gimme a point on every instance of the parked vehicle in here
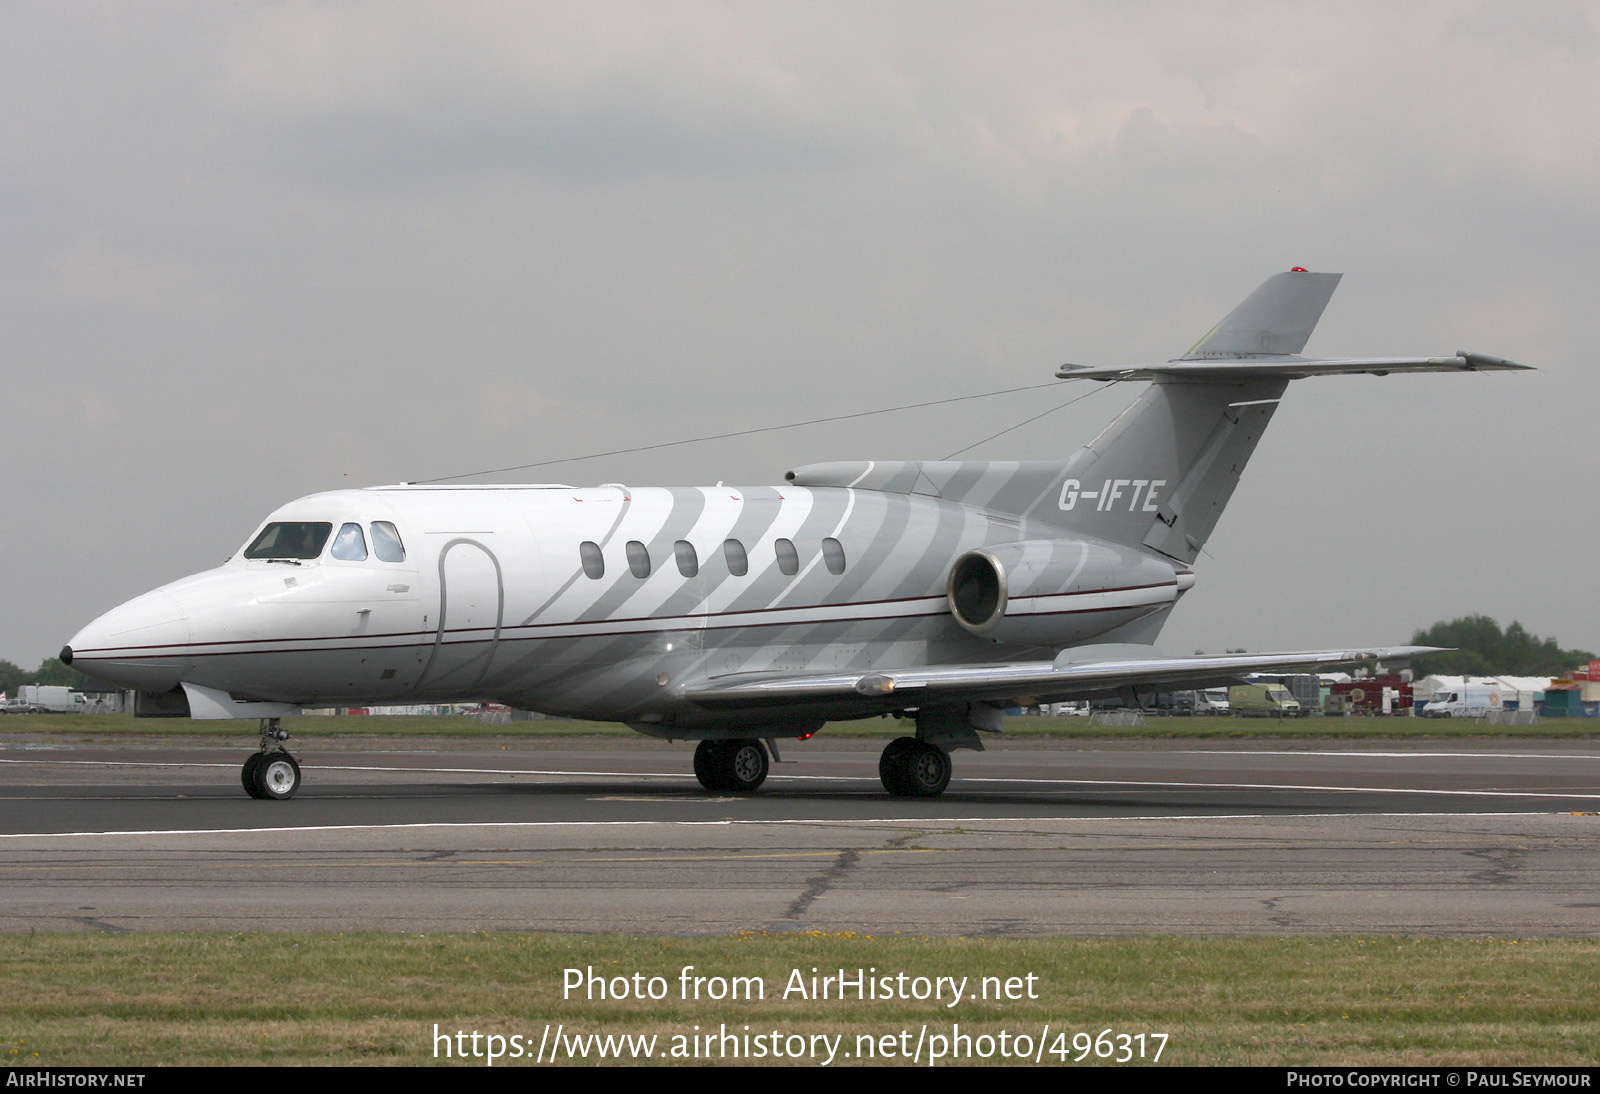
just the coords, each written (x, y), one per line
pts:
(1471, 701)
(1262, 701)
(47, 699)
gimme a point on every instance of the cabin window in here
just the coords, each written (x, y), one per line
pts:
(688, 561)
(738, 562)
(788, 557)
(594, 563)
(833, 555)
(638, 559)
(290, 540)
(386, 542)
(350, 545)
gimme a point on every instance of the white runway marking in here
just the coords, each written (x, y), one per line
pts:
(1393, 755)
(1162, 783)
(920, 822)
(955, 783)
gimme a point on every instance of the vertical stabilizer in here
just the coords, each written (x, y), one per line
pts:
(1276, 319)
(1159, 476)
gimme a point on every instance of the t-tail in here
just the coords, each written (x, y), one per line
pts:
(1160, 475)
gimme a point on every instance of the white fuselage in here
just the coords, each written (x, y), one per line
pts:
(600, 602)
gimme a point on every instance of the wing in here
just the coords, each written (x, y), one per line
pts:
(1079, 673)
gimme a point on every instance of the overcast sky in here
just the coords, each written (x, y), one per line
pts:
(253, 251)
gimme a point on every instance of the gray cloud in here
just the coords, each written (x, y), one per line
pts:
(253, 251)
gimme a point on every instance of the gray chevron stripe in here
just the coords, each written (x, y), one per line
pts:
(682, 512)
(756, 515)
(577, 572)
(996, 477)
(813, 584)
(768, 583)
(876, 526)
(1030, 484)
(925, 572)
(761, 507)
(688, 505)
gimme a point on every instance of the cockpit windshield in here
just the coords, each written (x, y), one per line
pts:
(290, 540)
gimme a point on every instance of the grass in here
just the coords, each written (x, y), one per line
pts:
(137, 1000)
(142, 1000)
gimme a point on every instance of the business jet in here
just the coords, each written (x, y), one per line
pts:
(938, 592)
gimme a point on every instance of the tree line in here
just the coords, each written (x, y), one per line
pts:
(1481, 648)
(50, 672)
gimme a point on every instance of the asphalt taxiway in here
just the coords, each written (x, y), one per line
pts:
(1081, 838)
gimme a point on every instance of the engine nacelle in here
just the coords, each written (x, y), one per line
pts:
(1056, 592)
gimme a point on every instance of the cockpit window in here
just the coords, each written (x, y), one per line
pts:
(290, 540)
(386, 542)
(350, 545)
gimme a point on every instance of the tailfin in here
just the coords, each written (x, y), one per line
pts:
(1277, 318)
(1159, 476)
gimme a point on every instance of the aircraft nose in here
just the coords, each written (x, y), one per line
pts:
(141, 644)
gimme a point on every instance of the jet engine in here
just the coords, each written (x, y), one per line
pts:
(1057, 592)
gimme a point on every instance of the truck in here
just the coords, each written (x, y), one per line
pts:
(1469, 701)
(47, 699)
(1264, 700)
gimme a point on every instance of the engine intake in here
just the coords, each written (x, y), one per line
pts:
(1058, 592)
(978, 591)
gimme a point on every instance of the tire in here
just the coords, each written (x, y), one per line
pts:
(927, 771)
(893, 766)
(276, 776)
(247, 774)
(708, 765)
(744, 765)
(736, 766)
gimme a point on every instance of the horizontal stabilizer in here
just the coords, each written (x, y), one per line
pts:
(1076, 673)
(1240, 370)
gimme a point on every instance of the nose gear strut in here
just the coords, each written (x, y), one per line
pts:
(271, 774)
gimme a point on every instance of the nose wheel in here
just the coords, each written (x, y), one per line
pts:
(271, 774)
(738, 766)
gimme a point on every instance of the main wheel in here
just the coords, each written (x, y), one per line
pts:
(892, 765)
(247, 774)
(708, 766)
(928, 771)
(910, 768)
(277, 776)
(744, 765)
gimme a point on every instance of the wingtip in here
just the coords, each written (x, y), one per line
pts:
(1478, 362)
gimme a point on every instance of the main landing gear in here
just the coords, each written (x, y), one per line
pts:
(738, 765)
(910, 768)
(271, 774)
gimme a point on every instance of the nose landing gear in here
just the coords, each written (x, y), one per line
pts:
(271, 774)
